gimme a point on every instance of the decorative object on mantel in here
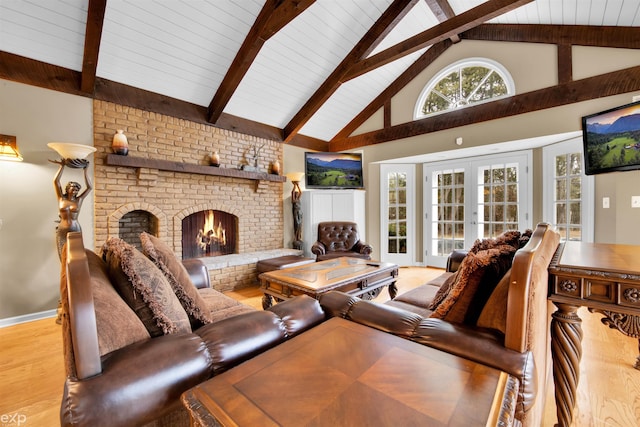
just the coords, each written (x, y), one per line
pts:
(167, 165)
(70, 199)
(296, 207)
(214, 159)
(9, 149)
(275, 167)
(120, 145)
(254, 157)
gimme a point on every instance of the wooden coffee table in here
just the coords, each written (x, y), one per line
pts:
(341, 373)
(355, 276)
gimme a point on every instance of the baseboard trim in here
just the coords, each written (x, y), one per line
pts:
(10, 321)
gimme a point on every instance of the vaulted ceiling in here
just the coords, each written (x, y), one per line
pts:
(305, 72)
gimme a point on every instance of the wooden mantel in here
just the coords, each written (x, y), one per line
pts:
(167, 165)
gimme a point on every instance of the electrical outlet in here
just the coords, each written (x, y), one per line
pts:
(605, 203)
(635, 201)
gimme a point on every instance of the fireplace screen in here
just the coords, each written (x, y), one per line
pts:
(209, 233)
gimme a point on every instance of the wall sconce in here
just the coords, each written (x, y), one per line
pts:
(296, 206)
(9, 149)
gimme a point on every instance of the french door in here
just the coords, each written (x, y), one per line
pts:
(474, 199)
(397, 218)
(568, 192)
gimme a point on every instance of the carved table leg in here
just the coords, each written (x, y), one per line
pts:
(393, 290)
(626, 323)
(266, 301)
(566, 351)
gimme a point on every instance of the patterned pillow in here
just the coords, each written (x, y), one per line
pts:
(478, 275)
(143, 286)
(178, 276)
(117, 325)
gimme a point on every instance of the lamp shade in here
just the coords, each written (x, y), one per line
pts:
(68, 150)
(295, 176)
(9, 149)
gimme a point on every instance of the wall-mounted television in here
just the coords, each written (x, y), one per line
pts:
(333, 170)
(611, 139)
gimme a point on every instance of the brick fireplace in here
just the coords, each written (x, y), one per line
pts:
(152, 198)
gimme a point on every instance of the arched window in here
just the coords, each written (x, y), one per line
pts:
(464, 83)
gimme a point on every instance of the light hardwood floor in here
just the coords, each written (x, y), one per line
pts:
(32, 375)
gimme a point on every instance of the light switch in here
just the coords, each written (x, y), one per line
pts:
(635, 201)
(605, 203)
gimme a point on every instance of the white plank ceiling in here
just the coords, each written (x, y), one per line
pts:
(183, 48)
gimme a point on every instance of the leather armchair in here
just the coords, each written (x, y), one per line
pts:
(339, 239)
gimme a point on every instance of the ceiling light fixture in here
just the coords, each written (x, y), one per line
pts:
(9, 149)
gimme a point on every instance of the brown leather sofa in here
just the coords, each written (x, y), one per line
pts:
(521, 350)
(141, 383)
(339, 239)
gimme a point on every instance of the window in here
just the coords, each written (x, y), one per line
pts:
(465, 83)
(568, 192)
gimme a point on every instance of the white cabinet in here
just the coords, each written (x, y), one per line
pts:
(331, 205)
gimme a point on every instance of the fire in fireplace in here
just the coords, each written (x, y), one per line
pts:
(209, 233)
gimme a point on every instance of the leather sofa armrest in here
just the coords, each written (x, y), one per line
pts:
(318, 248)
(298, 314)
(455, 259)
(198, 272)
(140, 382)
(233, 340)
(362, 248)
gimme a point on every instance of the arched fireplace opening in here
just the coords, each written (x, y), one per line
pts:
(135, 222)
(209, 233)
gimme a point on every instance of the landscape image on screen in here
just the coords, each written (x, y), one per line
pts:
(612, 139)
(334, 170)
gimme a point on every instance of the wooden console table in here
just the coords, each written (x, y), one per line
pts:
(606, 279)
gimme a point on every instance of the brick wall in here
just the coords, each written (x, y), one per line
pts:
(171, 196)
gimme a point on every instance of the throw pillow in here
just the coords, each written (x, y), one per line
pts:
(494, 313)
(477, 276)
(144, 288)
(443, 291)
(117, 325)
(510, 237)
(175, 272)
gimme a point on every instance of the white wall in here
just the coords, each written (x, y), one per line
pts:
(29, 265)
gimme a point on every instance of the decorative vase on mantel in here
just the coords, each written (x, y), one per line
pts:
(275, 167)
(120, 144)
(215, 159)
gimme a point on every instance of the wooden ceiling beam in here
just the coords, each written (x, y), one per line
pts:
(29, 71)
(447, 29)
(389, 18)
(579, 35)
(443, 11)
(92, 36)
(275, 14)
(110, 91)
(609, 84)
(403, 79)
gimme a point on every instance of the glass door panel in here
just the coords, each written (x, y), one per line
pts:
(397, 220)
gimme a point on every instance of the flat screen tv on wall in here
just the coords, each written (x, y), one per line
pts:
(611, 139)
(333, 170)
